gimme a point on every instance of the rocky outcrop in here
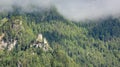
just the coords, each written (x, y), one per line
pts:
(41, 43)
(39, 38)
(17, 25)
(3, 45)
(11, 45)
(19, 64)
(46, 46)
(6, 45)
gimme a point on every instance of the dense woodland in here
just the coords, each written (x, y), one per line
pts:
(74, 44)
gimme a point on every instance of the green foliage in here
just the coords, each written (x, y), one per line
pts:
(72, 44)
(107, 29)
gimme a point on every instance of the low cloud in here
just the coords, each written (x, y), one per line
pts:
(72, 9)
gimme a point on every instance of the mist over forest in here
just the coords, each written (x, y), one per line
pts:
(76, 10)
(59, 33)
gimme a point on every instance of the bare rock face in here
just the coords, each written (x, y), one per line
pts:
(19, 64)
(39, 38)
(11, 46)
(46, 46)
(8, 45)
(41, 43)
(3, 45)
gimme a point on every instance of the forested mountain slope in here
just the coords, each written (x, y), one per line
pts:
(71, 44)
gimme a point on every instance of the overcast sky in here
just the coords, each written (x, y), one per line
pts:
(71, 9)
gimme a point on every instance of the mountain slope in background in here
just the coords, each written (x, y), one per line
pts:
(71, 44)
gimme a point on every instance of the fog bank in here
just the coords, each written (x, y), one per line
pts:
(72, 9)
